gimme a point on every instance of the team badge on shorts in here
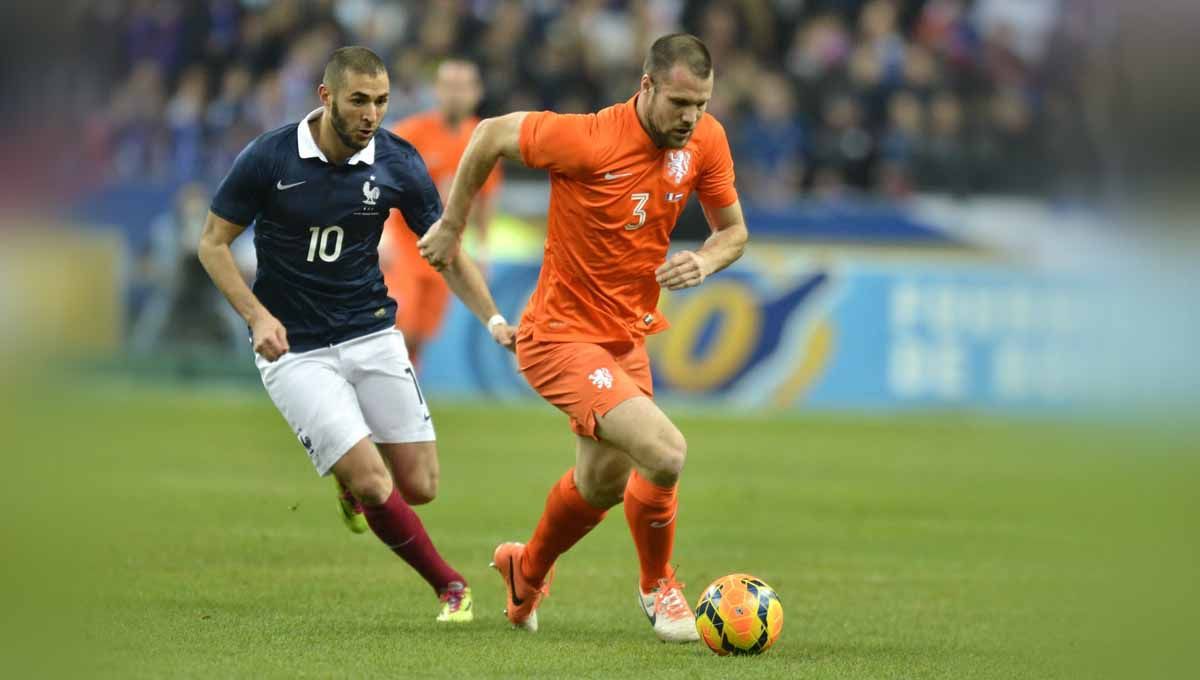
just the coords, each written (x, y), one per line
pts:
(601, 378)
(307, 442)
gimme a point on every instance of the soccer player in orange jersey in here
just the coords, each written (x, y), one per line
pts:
(618, 180)
(440, 136)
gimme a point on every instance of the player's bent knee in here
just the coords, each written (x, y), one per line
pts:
(371, 488)
(669, 451)
(418, 496)
(421, 490)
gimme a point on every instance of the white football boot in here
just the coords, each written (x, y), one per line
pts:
(668, 611)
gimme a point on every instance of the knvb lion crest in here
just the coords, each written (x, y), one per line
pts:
(601, 378)
(678, 164)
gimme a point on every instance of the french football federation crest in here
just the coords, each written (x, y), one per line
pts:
(370, 193)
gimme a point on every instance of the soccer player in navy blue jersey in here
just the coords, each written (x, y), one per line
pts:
(323, 327)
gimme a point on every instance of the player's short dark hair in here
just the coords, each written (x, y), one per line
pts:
(459, 58)
(351, 59)
(676, 48)
(466, 60)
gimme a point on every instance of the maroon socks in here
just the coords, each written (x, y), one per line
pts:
(400, 529)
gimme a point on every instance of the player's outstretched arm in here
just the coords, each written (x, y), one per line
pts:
(686, 269)
(481, 220)
(270, 337)
(467, 282)
(492, 138)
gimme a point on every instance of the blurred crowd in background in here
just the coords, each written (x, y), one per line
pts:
(832, 100)
(820, 97)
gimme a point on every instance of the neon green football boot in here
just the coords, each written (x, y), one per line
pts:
(351, 511)
(457, 606)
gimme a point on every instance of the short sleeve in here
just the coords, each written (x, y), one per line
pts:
(562, 143)
(419, 201)
(239, 198)
(714, 186)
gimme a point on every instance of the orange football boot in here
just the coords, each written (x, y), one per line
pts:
(523, 597)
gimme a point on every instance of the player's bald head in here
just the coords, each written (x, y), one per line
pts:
(677, 49)
(347, 60)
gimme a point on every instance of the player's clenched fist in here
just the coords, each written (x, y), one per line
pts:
(504, 335)
(684, 269)
(270, 337)
(439, 245)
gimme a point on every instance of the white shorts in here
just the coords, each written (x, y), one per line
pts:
(332, 397)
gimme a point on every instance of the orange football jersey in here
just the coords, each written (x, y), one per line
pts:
(614, 200)
(441, 147)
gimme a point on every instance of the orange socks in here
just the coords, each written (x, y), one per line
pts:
(566, 519)
(650, 510)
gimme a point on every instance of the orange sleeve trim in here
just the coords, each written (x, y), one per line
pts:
(723, 200)
(525, 137)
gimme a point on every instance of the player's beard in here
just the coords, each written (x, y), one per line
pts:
(342, 128)
(455, 112)
(661, 139)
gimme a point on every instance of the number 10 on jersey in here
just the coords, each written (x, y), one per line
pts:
(318, 244)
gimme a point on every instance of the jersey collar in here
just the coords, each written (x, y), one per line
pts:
(309, 149)
(636, 123)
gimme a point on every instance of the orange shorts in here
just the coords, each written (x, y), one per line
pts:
(422, 297)
(421, 306)
(583, 379)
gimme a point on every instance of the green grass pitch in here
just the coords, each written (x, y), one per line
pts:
(182, 533)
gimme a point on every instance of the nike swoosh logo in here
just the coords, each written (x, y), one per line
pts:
(612, 176)
(283, 187)
(427, 417)
(512, 588)
(650, 614)
(401, 545)
(660, 525)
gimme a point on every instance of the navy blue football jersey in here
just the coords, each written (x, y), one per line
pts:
(317, 228)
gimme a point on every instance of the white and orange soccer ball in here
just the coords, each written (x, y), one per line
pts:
(739, 614)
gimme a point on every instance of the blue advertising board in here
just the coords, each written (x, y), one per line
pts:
(783, 330)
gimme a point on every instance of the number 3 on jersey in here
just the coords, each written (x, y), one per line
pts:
(322, 235)
(639, 210)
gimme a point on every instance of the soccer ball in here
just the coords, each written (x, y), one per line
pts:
(739, 614)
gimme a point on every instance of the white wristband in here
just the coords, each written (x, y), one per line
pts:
(496, 319)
